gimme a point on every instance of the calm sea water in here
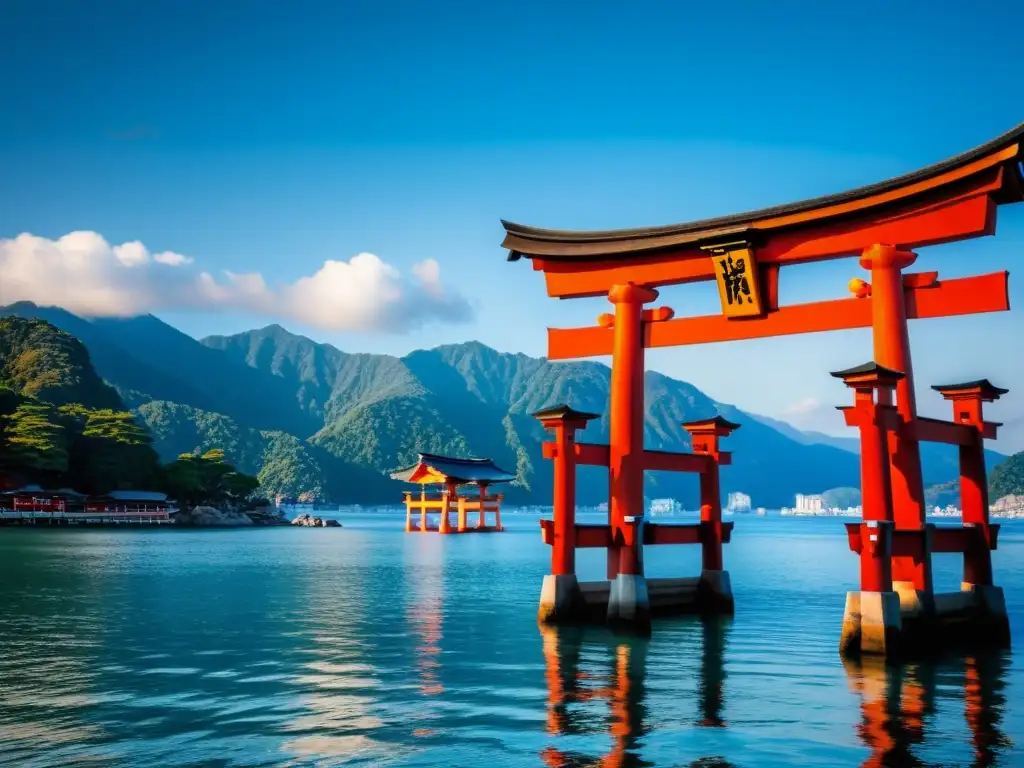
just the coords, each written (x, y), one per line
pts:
(367, 646)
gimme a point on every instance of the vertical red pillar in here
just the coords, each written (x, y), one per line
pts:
(876, 556)
(563, 549)
(874, 419)
(711, 518)
(872, 622)
(626, 421)
(563, 421)
(482, 522)
(974, 505)
(560, 596)
(967, 400)
(875, 470)
(892, 351)
(704, 437)
(444, 523)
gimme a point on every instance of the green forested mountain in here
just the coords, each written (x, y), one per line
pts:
(309, 417)
(59, 422)
(468, 399)
(146, 359)
(321, 381)
(39, 361)
(282, 463)
(1008, 478)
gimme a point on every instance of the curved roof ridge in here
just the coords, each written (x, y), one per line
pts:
(426, 457)
(456, 470)
(737, 223)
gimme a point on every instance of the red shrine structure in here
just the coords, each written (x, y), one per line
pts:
(32, 505)
(881, 224)
(450, 474)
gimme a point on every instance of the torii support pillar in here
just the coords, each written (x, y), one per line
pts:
(628, 601)
(561, 600)
(714, 593)
(912, 570)
(967, 400)
(444, 523)
(872, 622)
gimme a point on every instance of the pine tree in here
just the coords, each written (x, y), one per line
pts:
(35, 440)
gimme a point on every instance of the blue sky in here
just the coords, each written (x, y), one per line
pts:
(270, 137)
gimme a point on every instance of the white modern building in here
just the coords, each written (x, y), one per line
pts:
(808, 503)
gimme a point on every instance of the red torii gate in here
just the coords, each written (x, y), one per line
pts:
(882, 223)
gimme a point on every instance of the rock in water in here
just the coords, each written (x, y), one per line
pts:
(266, 513)
(307, 520)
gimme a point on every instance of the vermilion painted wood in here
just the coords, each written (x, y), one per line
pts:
(655, 533)
(947, 298)
(970, 215)
(952, 539)
(626, 423)
(590, 454)
(593, 454)
(594, 536)
(587, 536)
(937, 431)
(665, 461)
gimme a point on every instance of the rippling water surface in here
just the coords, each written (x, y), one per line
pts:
(367, 646)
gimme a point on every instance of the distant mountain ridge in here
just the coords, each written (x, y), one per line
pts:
(303, 413)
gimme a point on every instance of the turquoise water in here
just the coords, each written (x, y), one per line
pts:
(368, 646)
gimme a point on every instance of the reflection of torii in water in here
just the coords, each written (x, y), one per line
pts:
(624, 692)
(424, 612)
(426, 617)
(896, 701)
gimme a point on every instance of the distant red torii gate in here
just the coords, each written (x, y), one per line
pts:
(881, 224)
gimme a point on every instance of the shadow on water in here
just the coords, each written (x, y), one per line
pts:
(898, 707)
(619, 684)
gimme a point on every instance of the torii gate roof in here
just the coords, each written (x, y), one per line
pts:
(431, 468)
(1002, 155)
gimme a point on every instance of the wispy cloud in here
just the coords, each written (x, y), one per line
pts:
(85, 274)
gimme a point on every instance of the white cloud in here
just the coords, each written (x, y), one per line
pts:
(84, 274)
(172, 259)
(131, 254)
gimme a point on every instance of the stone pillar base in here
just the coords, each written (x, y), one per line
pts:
(991, 606)
(872, 624)
(714, 593)
(629, 606)
(561, 600)
(914, 603)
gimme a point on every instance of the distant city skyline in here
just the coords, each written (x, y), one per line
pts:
(342, 172)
